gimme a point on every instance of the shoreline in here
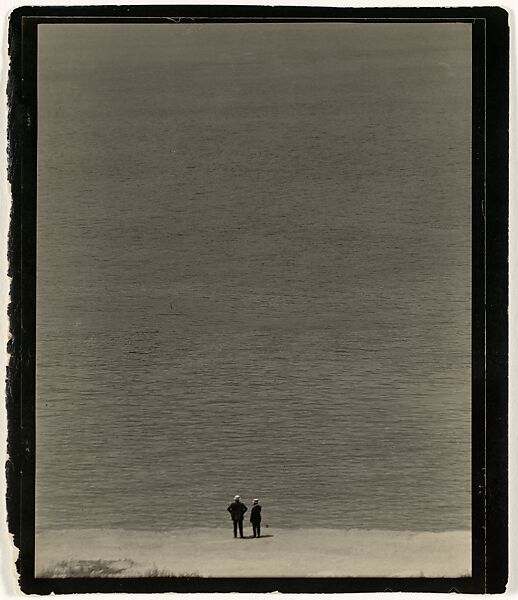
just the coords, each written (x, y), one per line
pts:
(213, 552)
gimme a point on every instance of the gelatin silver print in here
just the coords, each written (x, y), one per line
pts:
(253, 323)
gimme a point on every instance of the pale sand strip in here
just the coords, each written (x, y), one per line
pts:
(296, 553)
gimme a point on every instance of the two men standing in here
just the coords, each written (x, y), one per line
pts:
(237, 511)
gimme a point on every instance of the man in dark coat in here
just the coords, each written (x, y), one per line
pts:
(237, 511)
(255, 518)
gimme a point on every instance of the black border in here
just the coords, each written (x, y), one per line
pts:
(489, 284)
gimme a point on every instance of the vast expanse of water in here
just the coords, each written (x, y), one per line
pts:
(254, 275)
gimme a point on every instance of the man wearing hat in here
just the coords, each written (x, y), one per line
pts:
(255, 518)
(237, 511)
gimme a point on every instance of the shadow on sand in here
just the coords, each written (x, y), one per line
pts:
(251, 537)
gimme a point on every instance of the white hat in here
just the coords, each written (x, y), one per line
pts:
(256, 500)
(237, 497)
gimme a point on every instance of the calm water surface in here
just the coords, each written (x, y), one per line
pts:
(254, 275)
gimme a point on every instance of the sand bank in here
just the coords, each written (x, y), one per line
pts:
(211, 552)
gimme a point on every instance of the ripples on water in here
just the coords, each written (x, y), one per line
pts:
(254, 275)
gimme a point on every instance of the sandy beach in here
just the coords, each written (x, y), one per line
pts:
(213, 552)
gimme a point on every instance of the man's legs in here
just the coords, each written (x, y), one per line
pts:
(240, 522)
(235, 528)
(258, 528)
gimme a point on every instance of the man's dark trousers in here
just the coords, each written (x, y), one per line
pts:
(240, 524)
(257, 529)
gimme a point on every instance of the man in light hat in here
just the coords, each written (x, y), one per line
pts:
(255, 518)
(237, 511)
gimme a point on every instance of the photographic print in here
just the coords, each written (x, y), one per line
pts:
(254, 299)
